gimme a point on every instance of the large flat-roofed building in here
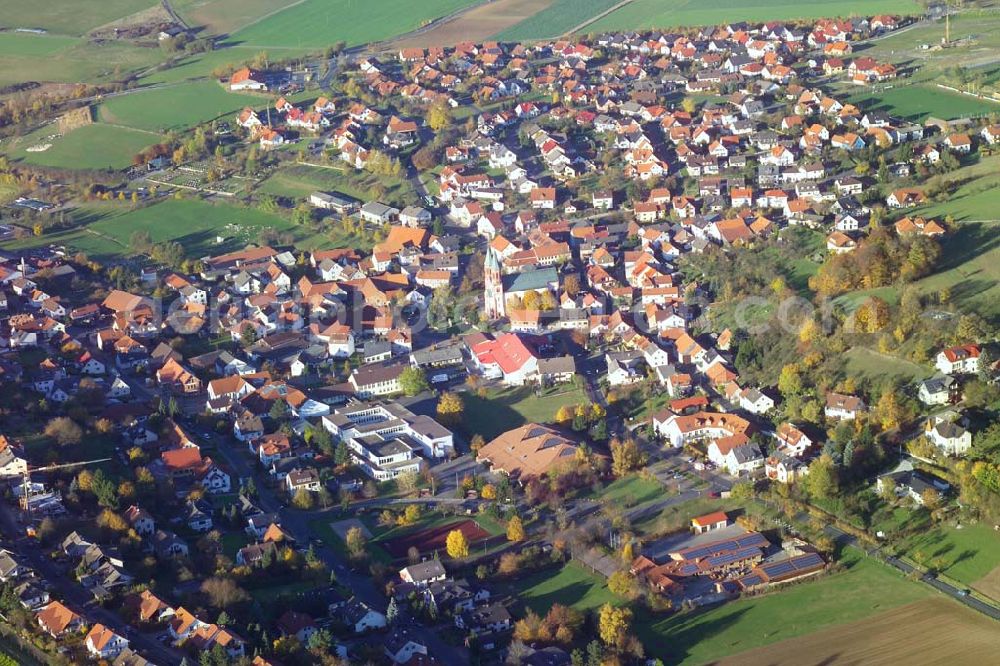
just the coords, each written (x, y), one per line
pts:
(387, 439)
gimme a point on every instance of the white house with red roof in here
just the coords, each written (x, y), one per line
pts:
(961, 359)
(508, 357)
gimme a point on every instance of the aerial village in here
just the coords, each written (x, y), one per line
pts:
(279, 456)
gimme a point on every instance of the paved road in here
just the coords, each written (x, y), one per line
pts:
(72, 593)
(297, 524)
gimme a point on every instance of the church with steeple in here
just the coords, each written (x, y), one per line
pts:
(500, 287)
(495, 305)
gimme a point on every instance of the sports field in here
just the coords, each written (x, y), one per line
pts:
(192, 223)
(556, 19)
(104, 229)
(175, 107)
(96, 146)
(68, 17)
(319, 23)
(920, 101)
(866, 588)
(434, 538)
(933, 631)
(647, 14)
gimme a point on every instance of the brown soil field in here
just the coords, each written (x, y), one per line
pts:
(476, 25)
(989, 584)
(434, 538)
(935, 631)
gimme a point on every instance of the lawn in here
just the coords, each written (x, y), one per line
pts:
(509, 408)
(862, 363)
(175, 107)
(269, 595)
(867, 587)
(965, 554)
(678, 516)
(104, 229)
(192, 223)
(559, 17)
(631, 490)
(919, 101)
(644, 14)
(96, 146)
(574, 585)
(319, 23)
(300, 180)
(70, 17)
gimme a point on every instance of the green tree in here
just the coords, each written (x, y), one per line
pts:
(413, 381)
(821, 482)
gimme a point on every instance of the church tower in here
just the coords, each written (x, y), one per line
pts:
(494, 297)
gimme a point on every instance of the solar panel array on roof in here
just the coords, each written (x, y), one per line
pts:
(723, 559)
(791, 567)
(750, 539)
(750, 580)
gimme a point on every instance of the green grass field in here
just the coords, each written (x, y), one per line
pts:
(510, 408)
(574, 585)
(667, 13)
(966, 555)
(300, 180)
(175, 107)
(319, 23)
(224, 16)
(862, 363)
(96, 146)
(920, 101)
(192, 223)
(104, 229)
(631, 490)
(70, 60)
(972, 193)
(970, 268)
(69, 17)
(556, 19)
(867, 587)
(31, 45)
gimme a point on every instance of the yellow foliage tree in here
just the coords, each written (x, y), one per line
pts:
(613, 625)
(489, 492)
(515, 529)
(456, 544)
(450, 408)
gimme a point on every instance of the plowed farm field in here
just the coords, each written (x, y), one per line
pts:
(475, 25)
(935, 631)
